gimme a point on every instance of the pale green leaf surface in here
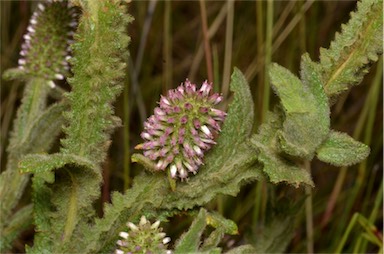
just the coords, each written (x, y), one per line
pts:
(276, 167)
(342, 150)
(306, 122)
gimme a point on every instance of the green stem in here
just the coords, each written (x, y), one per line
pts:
(260, 50)
(207, 48)
(126, 133)
(228, 47)
(167, 48)
(309, 213)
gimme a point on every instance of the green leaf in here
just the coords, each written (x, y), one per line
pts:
(99, 67)
(216, 220)
(342, 150)
(349, 56)
(76, 185)
(306, 122)
(12, 183)
(190, 241)
(276, 167)
(19, 222)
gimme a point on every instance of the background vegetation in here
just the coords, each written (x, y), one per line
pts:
(174, 40)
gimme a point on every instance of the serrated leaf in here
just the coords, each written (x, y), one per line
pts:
(99, 62)
(190, 241)
(358, 45)
(342, 150)
(76, 185)
(276, 167)
(306, 122)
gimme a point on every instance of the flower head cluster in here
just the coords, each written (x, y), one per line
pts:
(182, 129)
(144, 238)
(45, 51)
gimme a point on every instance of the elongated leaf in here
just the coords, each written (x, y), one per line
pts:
(190, 241)
(342, 150)
(358, 45)
(12, 183)
(99, 62)
(76, 183)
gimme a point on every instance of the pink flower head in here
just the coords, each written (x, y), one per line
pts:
(183, 129)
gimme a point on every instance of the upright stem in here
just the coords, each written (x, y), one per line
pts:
(126, 122)
(207, 48)
(167, 49)
(228, 47)
(268, 56)
(309, 213)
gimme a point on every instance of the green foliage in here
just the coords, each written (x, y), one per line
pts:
(12, 183)
(190, 241)
(360, 42)
(20, 221)
(64, 197)
(277, 167)
(66, 184)
(229, 165)
(342, 150)
(100, 52)
(306, 122)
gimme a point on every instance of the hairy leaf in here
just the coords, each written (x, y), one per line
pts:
(349, 56)
(100, 53)
(190, 240)
(276, 167)
(342, 150)
(12, 183)
(76, 183)
(306, 122)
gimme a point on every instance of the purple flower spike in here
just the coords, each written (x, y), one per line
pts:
(183, 129)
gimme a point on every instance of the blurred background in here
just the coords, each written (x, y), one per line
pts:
(204, 40)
